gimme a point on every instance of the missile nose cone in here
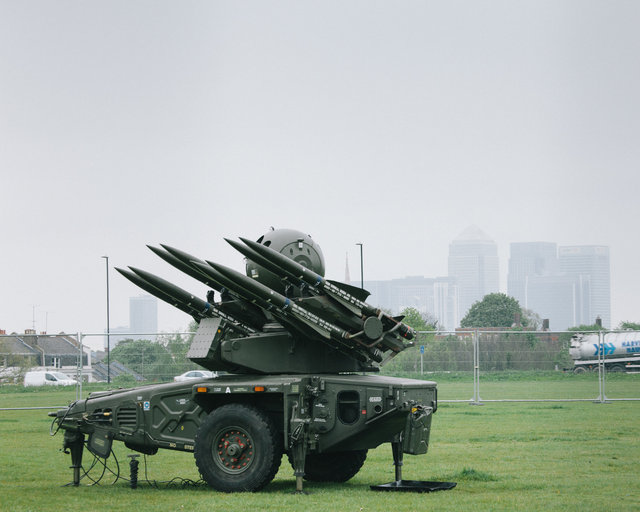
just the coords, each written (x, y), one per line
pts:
(237, 246)
(122, 271)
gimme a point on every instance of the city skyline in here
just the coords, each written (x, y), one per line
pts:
(439, 294)
(567, 285)
(394, 125)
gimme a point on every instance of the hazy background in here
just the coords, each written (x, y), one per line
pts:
(394, 124)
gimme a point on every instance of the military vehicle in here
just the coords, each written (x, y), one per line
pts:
(297, 354)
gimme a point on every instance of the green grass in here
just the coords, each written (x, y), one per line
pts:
(504, 456)
(533, 385)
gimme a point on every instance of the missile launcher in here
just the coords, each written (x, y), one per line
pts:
(298, 355)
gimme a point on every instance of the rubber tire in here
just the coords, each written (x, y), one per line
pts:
(333, 466)
(259, 433)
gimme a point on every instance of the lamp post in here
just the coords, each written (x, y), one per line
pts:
(106, 258)
(361, 268)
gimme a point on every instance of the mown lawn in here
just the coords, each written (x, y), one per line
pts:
(504, 456)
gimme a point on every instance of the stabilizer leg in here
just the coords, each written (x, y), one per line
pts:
(398, 455)
(74, 443)
(298, 447)
(408, 485)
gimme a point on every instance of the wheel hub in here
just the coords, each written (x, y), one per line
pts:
(234, 450)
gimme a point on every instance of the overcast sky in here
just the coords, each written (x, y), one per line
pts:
(394, 124)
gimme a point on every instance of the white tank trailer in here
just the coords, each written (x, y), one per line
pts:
(620, 351)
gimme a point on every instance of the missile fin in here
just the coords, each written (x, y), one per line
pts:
(359, 293)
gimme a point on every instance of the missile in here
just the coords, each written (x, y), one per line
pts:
(282, 306)
(292, 270)
(244, 313)
(279, 301)
(183, 297)
(264, 262)
(246, 297)
(183, 266)
(386, 339)
(273, 302)
(173, 290)
(148, 287)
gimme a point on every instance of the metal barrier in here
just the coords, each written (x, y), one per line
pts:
(500, 361)
(464, 362)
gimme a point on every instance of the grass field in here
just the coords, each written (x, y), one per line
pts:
(504, 456)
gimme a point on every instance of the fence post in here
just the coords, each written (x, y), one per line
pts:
(602, 397)
(476, 400)
(79, 368)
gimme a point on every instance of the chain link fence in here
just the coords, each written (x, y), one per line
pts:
(473, 366)
(489, 365)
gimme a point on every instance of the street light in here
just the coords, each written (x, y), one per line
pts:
(106, 258)
(361, 268)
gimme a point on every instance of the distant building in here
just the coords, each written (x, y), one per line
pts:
(435, 297)
(143, 316)
(528, 260)
(589, 266)
(143, 322)
(473, 262)
(570, 286)
(552, 297)
(46, 351)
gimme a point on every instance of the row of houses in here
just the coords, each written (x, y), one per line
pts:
(62, 352)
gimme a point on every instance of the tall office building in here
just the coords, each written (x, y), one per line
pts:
(143, 316)
(143, 319)
(570, 286)
(552, 297)
(589, 267)
(473, 262)
(526, 261)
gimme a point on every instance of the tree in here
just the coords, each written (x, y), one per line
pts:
(152, 360)
(13, 366)
(531, 319)
(413, 318)
(629, 326)
(177, 346)
(494, 310)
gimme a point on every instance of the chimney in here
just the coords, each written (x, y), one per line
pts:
(599, 321)
(516, 320)
(545, 324)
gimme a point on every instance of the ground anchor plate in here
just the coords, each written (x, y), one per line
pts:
(414, 486)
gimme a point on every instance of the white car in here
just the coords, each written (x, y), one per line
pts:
(43, 378)
(195, 374)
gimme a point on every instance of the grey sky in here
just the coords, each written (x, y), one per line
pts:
(395, 124)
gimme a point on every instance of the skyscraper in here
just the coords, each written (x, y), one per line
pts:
(552, 297)
(589, 267)
(569, 286)
(473, 261)
(143, 316)
(528, 260)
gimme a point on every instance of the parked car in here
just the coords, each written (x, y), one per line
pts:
(48, 378)
(195, 374)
